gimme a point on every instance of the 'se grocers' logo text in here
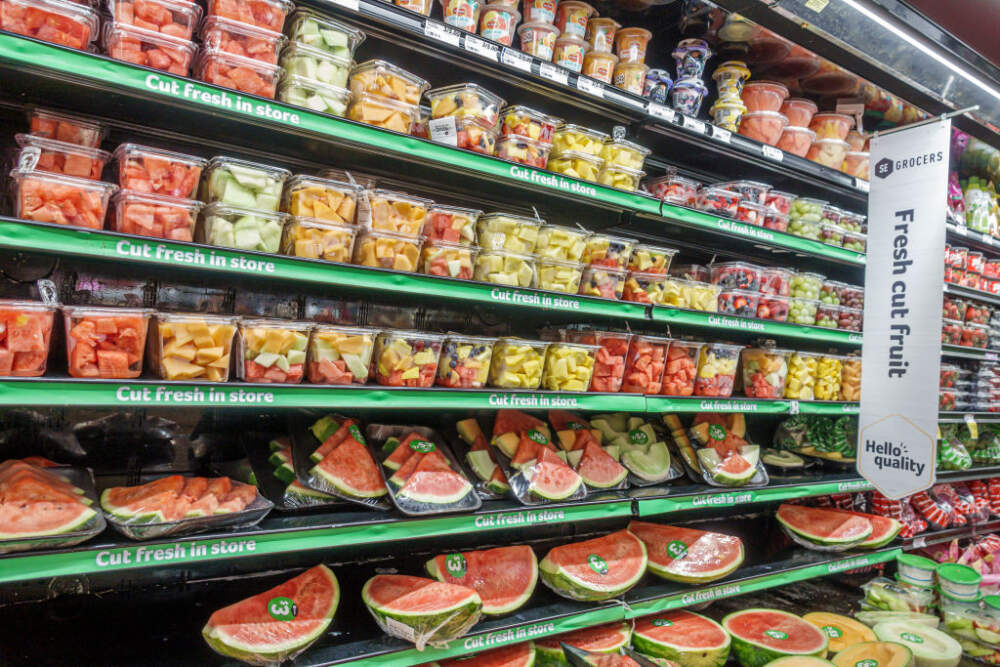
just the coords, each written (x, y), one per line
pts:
(885, 167)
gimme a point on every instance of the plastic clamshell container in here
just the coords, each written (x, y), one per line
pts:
(737, 302)
(806, 285)
(569, 137)
(621, 178)
(242, 228)
(561, 242)
(608, 251)
(63, 200)
(320, 198)
(764, 96)
(850, 379)
(802, 310)
(751, 213)
(237, 73)
(25, 336)
(717, 363)
(692, 295)
(650, 259)
(719, 201)
(192, 346)
(523, 151)
(800, 381)
(313, 238)
(316, 64)
(60, 157)
(241, 39)
(694, 272)
(77, 24)
(675, 190)
(569, 366)
(527, 122)
(148, 48)
(269, 14)
(64, 127)
(383, 112)
(831, 126)
(387, 250)
(321, 32)
(517, 363)
(752, 191)
(575, 164)
(829, 370)
(244, 184)
(175, 18)
(158, 172)
(398, 212)
(763, 126)
(502, 267)
(465, 362)
(557, 275)
(828, 152)
(796, 140)
(850, 319)
(340, 355)
(453, 224)
(827, 315)
(603, 282)
(831, 235)
(644, 365)
(774, 280)
(152, 215)
(764, 371)
(645, 287)
(513, 233)
(773, 307)
(682, 368)
(465, 100)
(449, 260)
(855, 241)
(382, 78)
(406, 358)
(272, 351)
(779, 201)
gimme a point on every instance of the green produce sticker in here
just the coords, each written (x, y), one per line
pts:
(677, 549)
(597, 564)
(638, 437)
(776, 634)
(866, 663)
(421, 446)
(576, 426)
(356, 434)
(910, 637)
(455, 565)
(662, 622)
(717, 432)
(538, 437)
(282, 609)
(833, 632)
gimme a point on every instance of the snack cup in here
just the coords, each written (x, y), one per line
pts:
(382, 112)
(63, 127)
(63, 200)
(148, 48)
(406, 358)
(383, 79)
(570, 137)
(764, 371)
(321, 198)
(452, 224)
(651, 259)
(800, 381)
(799, 111)
(855, 241)
(273, 351)
(465, 362)
(501, 267)
(856, 163)
(60, 157)
(829, 371)
(693, 272)
(243, 184)
(719, 201)
(831, 125)
(779, 201)
(558, 276)
(192, 346)
(569, 366)
(569, 52)
(603, 282)
(802, 311)
(675, 190)
(540, 11)
(321, 32)
(154, 215)
(737, 302)
(141, 168)
(465, 100)
(25, 337)
(601, 34)
(450, 260)
(796, 140)
(514, 233)
(318, 239)
(240, 38)
(572, 16)
(560, 242)
(462, 14)
(736, 275)
(764, 96)
(237, 73)
(317, 65)
(498, 23)
(387, 250)
(422, 7)
(538, 39)
(727, 114)
(763, 126)
(729, 77)
(241, 228)
(517, 363)
(621, 178)
(630, 77)
(681, 369)
(686, 96)
(644, 365)
(609, 251)
(524, 151)
(523, 121)
(340, 355)
(717, 370)
(828, 152)
(849, 319)
(690, 56)
(575, 164)
(827, 315)
(64, 23)
(269, 14)
(630, 44)
(773, 307)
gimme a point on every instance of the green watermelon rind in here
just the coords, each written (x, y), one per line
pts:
(118, 511)
(554, 656)
(277, 652)
(86, 516)
(497, 487)
(434, 572)
(342, 486)
(889, 537)
(566, 493)
(435, 628)
(594, 484)
(437, 499)
(819, 539)
(751, 654)
(665, 573)
(707, 656)
(285, 473)
(305, 494)
(564, 584)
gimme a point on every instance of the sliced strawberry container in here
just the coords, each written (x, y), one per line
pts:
(106, 343)
(645, 364)
(25, 335)
(61, 200)
(774, 280)
(149, 48)
(237, 73)
(64, 127)
(242, 39)
(159, 172)
(779, 201)
(738, 302)
(268, 14)
(161, 217)
(174, 18)
(56, 21)
(681, 370)
(60, 157)
(736, 275)
(773, 307)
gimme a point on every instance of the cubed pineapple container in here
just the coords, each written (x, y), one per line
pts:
(192, 346)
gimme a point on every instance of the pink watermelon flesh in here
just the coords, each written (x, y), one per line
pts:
(685, 630)
(515, 421)
(598, 638)
(825, 525)
(803, 638)
(562, 420)
(621, 550)
(518, 655)
(882, 528)
(338, 437)
(706, 552)
(401, 593)
(402, 452)
(598, 468)
(351, 463)
(734, 465)
(36, 518)
(501, 576)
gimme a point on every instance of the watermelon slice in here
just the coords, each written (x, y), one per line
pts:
(434, 482)
(762, 635)
(551, 478)
(173, 498)
(596, 569)
(504, 577)
(421, 610)
(884, 529)
(688, 638)
(144, 502)
(598, 469)
(351, 471)
(402, 452)
(515, 421)
(518, 655)
(337, 437)
(279, 623)
(398, 478)
(823, 526)
(688, 555)
(608, 638)
(562, 420)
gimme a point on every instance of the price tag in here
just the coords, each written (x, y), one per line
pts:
(793, 407)
(772, 153)
(693, 124)
(348, 4)
(442, 33)
(987, 239)
(862, 184)
(991, 356)
(660, 111)
(960, 230)
(443, 131)
(920, 542)
(725, 136)
(481, 48)
(553, 73)
(589, 86)
(514, 58)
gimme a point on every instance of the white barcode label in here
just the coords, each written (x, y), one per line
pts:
(349, 4)
(772, 153)
(553, 73)
(589, 86)
(443, 131)
(862, 184)
(793, 407)
(516, 59)
(960, 230)
(693, 124)
(920, 542)
(481, 48)
(725, 136)
(660, 111)
(399, 629)
(442, 33)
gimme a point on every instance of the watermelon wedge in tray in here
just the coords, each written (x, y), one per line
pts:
(420, 610)
(422, 473)
(481, 460)
(688, 555)
(331, 457)
(504, 577)
(46, 506)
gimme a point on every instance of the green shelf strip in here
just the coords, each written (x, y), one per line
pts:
(749, 405)
(719, 322)
(22, 235)
(723, 590)
(734, 497)
(23, 52)
(826, 408)
(185, 551)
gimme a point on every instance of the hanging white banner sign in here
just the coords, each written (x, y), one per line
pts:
(904, 284)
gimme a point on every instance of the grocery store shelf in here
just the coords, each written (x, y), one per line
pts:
(743, 325)
(953, 417)
(971, 293)
(972, 353)
(929, 538)
(962, 235)
(981, 472)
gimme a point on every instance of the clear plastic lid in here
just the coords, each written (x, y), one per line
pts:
(86, 184)
(269, 73)
(212, 24)
(380, 69)
(33, 146)
(275, 18)
(296, 30)
(596, 135)
(65, 127)
(126, 197)
(116, 31)
(301, 182)
(183, 13)
(128, 151)
(298, 49)
(578, 155)
(71, 11)
(277, 174)
(220, 209)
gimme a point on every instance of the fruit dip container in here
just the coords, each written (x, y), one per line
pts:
(465, 362)
(105, 342)
(572, 17)
(449, 260)
(502, 267)
(517, 363)
(538, 39)
(462, 14)
(644, 365)
(318, 239)
(601, 34)
(498, 22)
(273, 351)
(717, 370)
(514, 233)
(569, 366)
(406, 358)
(764, 371)
(340, 355)
(192, 346)
(242, 228)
